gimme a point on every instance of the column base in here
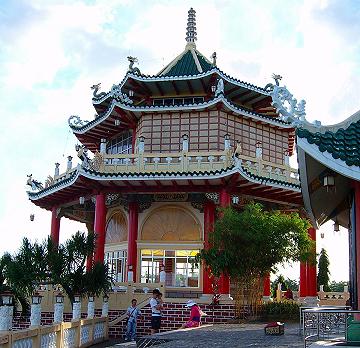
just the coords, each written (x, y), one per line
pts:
(311, 301)
(267, 299)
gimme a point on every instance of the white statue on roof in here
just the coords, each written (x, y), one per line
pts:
(219, 88)
(34, 184)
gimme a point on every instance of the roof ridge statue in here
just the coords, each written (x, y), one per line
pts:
(132, 61)
(34, 184)
(96, 88)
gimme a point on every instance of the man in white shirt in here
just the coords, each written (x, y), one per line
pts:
(133, 313)
(156, 307)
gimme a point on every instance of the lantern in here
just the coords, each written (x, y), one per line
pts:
(329, 181)
(32, 217)
(81, 200)
(36, 298)
(77, 298)
(106, 298)
(6, 298)
(59, 298)
(336, 226)
(131, 93)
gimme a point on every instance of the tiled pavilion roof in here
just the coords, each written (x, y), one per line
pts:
(343, 144)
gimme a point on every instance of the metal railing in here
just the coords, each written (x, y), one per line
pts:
(331, 325)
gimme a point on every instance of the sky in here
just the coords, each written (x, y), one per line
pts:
(51, 52)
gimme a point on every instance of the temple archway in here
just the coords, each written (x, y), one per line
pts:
(116, 228)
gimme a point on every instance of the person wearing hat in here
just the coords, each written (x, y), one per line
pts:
(195, 315)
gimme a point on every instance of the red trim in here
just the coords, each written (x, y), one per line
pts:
(311, 269)
(132, 237)
(357, 238)
(99, 227)
(55, 226)
(209, 220)
(224, 281)
(303, 280)
(267, 285)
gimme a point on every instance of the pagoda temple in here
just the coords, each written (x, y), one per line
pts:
(162, 153)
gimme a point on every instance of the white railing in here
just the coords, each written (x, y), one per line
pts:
(77, 334)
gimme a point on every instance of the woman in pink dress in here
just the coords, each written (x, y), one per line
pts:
(195, 315)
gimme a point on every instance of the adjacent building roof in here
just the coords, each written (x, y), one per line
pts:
(343, 144)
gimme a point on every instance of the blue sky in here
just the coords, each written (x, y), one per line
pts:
(51, 52)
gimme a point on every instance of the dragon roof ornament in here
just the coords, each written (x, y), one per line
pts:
(284, 102)
(76, 121)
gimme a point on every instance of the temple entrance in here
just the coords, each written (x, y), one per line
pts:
(171, 235)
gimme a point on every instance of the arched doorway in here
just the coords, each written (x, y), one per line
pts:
(115, 245)
(172, 235)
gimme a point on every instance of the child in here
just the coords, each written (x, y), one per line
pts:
(133, 313)
(195, 315)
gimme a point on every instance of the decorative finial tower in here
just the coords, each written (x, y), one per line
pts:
(191, 28)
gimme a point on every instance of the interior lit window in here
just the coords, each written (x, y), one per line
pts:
(179, 270)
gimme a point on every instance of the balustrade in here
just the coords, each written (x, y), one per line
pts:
(82, 333)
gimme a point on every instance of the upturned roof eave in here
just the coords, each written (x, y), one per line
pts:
(156, 78)
(326, 158)
(205, 175)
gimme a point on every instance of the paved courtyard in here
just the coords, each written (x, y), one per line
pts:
(233, 335)
(229, 335)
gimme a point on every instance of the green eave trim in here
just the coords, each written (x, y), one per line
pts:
(344, 144)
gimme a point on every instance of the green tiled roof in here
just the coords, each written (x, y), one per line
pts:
(205, 65)
(344, 144)
(184, 66)
(190, 62)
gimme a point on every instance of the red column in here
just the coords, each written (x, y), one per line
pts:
(99, 227)
(90, 259)
(224, 281)
(357, 240)
(303, 280)
(311, 269)
(132, 237)
(55, 226)
(209, 220)
(267, 286)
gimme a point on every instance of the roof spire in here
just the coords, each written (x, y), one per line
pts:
(191, 28)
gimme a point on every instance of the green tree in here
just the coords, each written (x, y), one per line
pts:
(287, 283)
(67, 266)
(249, 244)
(338, 286)
(323, 277)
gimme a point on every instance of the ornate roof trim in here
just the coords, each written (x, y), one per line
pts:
(201, 175)
(81, 127)
(157, 78)
(67, 181)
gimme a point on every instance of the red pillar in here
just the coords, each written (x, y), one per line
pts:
(303, 280)
(99, 227)
(132, 237)
(209, 220)
(224, 281)
(55, 226)
(90, 259)
(311, 269)
(357, 240)
(267, 286)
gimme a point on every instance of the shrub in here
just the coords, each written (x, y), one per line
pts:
(281, 310)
